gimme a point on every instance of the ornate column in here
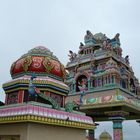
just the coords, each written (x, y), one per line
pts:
(117, 117)
(74, 86)
(117, 127)
(91, 134)
(89, 84)
(20, 96)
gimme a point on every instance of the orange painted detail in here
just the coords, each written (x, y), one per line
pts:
(20, 96)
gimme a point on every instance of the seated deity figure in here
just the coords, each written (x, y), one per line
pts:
(115, 42)
(88, 35)
(72, 55)
(127, 59)
(83, 85)
(81, 45)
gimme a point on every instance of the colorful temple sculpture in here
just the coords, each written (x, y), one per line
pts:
(103, 82)
(35, 101)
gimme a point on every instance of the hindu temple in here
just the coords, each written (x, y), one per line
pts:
(35, 101)
(103, 81)
(46, 100)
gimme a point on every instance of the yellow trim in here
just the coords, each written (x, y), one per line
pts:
(26, 88)
(36, 82)
(45, 120)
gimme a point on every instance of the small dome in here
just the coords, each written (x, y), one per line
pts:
(39, 60)
(105, 136)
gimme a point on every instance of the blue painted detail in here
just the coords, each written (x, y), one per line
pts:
(81, 97)
(114, 43)
(88, 84)
(90, 41)
(41, 85)
(117, 124)
(31, 89)
(120, 97)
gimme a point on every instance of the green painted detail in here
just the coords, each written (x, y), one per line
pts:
(110, 85)
(70, 106)
(48, 65)
(54, 104)
(27, 63)
(120, 97)
(91, 100)
(117, 124)
(88, 83)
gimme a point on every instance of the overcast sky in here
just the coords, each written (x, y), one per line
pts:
(60, 25)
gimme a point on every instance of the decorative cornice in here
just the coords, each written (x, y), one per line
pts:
(26, 88)
(40, 114)
(45, 120)
(108, 101)
(39, 81)
(18, 81)
(117, 113)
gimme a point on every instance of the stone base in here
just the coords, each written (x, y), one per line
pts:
(36, 131)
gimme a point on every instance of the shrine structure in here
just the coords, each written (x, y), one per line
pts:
(35, 101)
(103, 81)
(44, 101)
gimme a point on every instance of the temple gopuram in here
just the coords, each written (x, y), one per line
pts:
(103, 81)
(35, 101)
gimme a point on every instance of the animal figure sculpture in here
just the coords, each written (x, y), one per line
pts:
(70, 106)
(35, 92)
(32, 89)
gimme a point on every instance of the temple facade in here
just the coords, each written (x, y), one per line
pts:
(45, 100)
(103, 81)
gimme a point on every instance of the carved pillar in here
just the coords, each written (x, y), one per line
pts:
(91, 135)
(117, 127)
(117, 117)
(74, 86)
(6, 99)
(89, 83)
(114, 79)
(20, 96)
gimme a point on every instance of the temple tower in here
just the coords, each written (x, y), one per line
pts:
(103, 82)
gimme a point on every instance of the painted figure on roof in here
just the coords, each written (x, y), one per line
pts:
(72, 55)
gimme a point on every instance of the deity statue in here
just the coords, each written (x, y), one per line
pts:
(88, 35)
(72, 55)
(127, 59)
(117, 37)
(81, 45)
(115, 40)
(83, 85)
